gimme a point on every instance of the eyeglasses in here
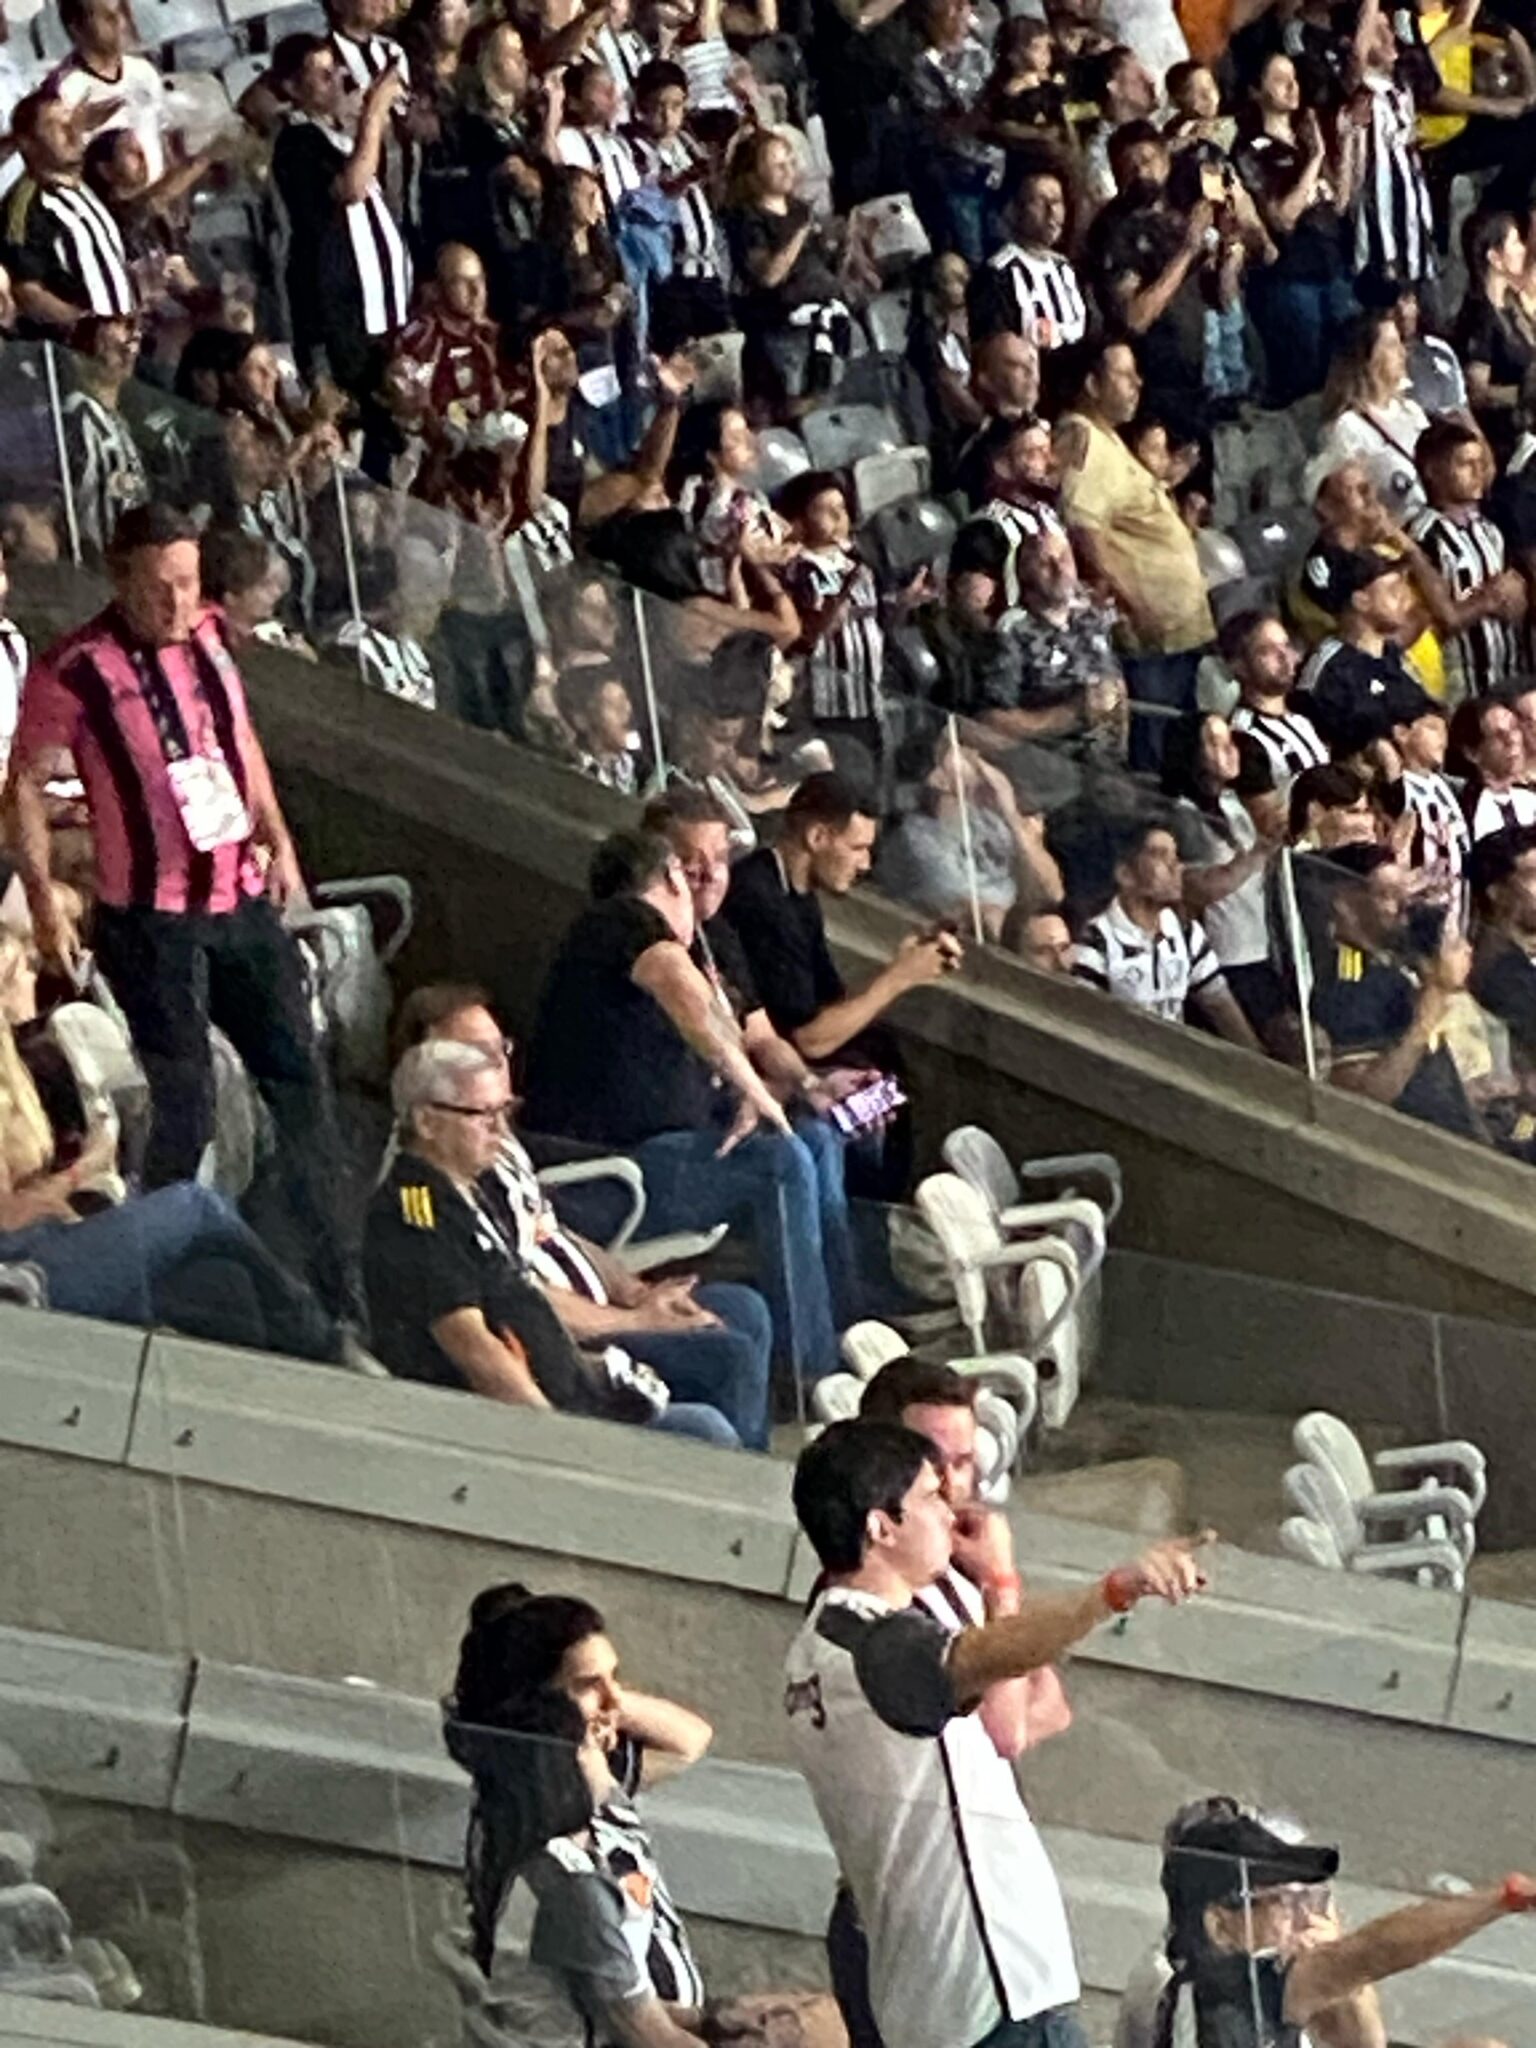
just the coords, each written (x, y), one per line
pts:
(491, 1119)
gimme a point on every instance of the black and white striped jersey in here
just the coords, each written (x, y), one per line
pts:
(1469, 552)
(612, 159)
(1289, 738)
(1443, 838)
(1158, 971)
(1051, 308)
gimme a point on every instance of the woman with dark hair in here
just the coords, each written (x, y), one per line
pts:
(710, 480)
(1487, 749)
(576, 279)
(1208, 773)
(557, 1746)
(434, 34)
(939, 350)
(1496, 332)
(1301, 301)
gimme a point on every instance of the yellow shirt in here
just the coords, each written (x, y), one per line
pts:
(1142, 539)
(1455, 68)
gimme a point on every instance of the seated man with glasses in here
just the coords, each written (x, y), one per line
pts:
(449, 1301)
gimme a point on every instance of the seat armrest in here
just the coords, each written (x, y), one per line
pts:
(1451, 1464)
(1388, 1560)
(1414, 1507)
(1070, 1167)
(575, 1172)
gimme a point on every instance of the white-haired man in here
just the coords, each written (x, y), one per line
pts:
(447, 1296)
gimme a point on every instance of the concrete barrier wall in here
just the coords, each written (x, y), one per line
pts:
(273, 1782)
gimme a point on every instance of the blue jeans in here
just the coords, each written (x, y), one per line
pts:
(1299, 321)
(113, 1264)
(775, 1182)
(1161, 680)
(704, 1424)
(1058, 2028)
(1226, 353)
(728, 1368)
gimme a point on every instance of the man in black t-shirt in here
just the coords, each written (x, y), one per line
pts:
(1354, 672)
(699, 834)
(774, 908)
(1148, 259)
(1386, 1023)
(448, 1298)
(629, 1043)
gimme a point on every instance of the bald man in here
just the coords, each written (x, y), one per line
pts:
(448, 354)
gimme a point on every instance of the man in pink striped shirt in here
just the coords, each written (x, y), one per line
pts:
(194, 863)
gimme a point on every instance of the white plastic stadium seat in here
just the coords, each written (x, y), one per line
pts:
(1084, 1200)
(838, 436)
(916, 534)
(1328, 1530)
(886, 317)
(1005, 1399)
(1323, 1439)
(781, 456)
(197, 104)
(350, 932)
(717, 369)
(675, 1248)
(895, 235)
(892, 478)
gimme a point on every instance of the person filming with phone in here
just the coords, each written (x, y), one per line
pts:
(774, 907)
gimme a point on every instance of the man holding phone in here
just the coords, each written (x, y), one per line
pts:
(698, 832)
(774, 907)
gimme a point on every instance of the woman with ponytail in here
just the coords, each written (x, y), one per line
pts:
(557, 1746)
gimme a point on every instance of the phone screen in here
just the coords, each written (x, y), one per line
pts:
(866, 1106)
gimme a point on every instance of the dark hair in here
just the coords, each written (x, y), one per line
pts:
(1442, 437)
(683, 804)
(150, 526)
(699, 435)
(1133, 837)
(910, 1382)
(830, 800)
(233, 561)
(626, 863)
(986, 448)
(1179, 75)
(423, 1010)
(1483, 233)
(1132, 135)
(580, 75)
(655, 77)
(1467, 722)
(1080, 361)
(850, 1471)
(1358, 861)
(801, 492)
(210, 352)
(289, 59)
(1495, 857)
(99, 152)
(517, 1737)
(1333, 787)
(1237, 631)
(579, 688)
(28, 112)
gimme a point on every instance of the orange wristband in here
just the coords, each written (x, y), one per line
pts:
(1121, 1589)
